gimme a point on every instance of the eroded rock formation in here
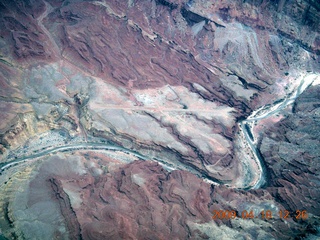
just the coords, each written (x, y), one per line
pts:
(168, 81)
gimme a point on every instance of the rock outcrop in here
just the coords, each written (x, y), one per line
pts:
(291, 152)
(89, 90)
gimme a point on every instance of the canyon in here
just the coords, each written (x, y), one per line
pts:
(138, 119)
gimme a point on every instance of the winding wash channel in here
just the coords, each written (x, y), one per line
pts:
(264, 112)
(246, 126)
(91, 146)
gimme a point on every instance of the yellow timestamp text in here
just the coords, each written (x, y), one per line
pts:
(265, 214)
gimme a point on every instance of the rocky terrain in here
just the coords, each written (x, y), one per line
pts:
(139, 119)
(291, 152)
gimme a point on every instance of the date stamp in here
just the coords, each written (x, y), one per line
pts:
(264, 215)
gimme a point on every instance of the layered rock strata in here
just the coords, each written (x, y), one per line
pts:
(168, 81)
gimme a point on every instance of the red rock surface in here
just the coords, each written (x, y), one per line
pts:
(169, 80)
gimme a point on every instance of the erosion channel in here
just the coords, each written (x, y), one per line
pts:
(93, 144)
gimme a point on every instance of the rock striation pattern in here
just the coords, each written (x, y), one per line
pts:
(89, 90)
(290, 150)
